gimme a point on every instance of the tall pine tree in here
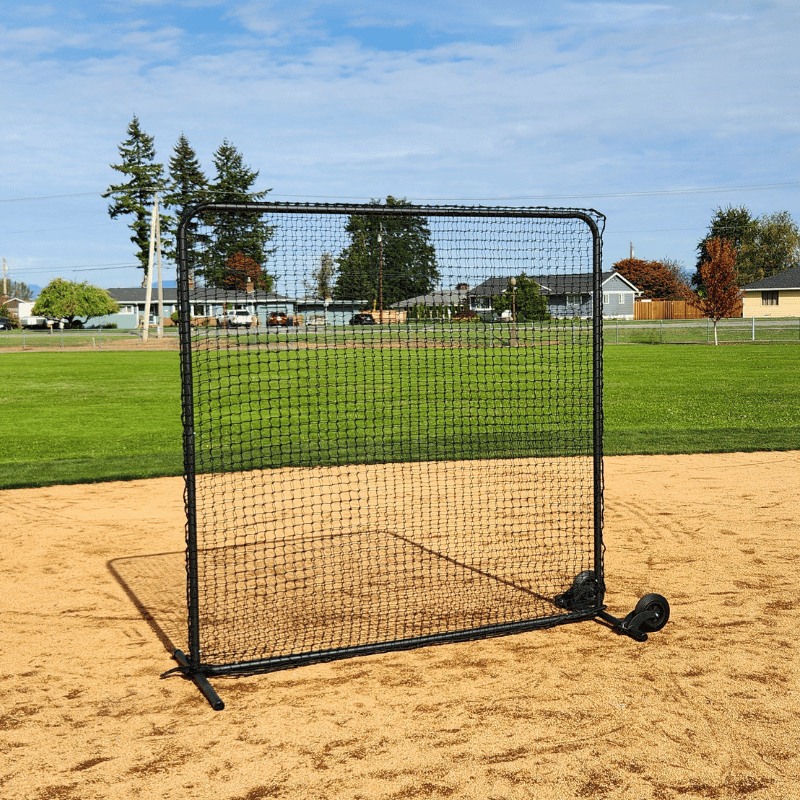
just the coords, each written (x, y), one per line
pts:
(390, 258)
(135, 197)
(187, 186)
(234, 232)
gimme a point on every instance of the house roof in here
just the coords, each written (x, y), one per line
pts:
(442, 297)
(574, 283)
(788, 279)
(204, 294)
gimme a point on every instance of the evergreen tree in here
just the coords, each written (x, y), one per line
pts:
(135, 197)
(20, 290)
(187, 186)
(389, 258)
(322, 277)
(234, 232)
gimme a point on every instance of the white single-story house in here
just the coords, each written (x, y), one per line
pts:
(776, 296)
(567, 295)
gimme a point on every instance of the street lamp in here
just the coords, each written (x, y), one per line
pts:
(513, 283)
(380, 270)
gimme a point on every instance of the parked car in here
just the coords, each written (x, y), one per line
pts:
(362, 319)
(279, 318)
(6, 324)
(235, 319)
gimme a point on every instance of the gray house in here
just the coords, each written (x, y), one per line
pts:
(567, 295)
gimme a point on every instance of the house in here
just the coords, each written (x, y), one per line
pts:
(441, 297)
(776, 296)
(19, 308)
(209, 302)
(326, 311)
(567, 295)
(205, 302)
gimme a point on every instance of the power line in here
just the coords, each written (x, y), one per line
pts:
(573, 196)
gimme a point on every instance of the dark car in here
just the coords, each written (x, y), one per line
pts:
(362, 319)
(6, 324)
(278, 318)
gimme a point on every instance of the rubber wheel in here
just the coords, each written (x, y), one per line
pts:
(657, 604)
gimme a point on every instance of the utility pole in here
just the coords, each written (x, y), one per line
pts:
(160, 333)
(631, 249)
(5, 280)
(149, 277)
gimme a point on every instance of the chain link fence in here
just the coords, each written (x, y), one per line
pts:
(701, 331)
(683, 331)
(84, 340)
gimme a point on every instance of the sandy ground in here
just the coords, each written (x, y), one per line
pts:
(92, 598)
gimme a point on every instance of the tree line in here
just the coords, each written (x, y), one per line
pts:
(182, 186)
(387, 260)
(737, 250)
(760, 247)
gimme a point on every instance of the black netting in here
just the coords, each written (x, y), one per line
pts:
(387, 439)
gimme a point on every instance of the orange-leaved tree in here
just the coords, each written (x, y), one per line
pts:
(653, 278)
(240, 268)
(721, 296)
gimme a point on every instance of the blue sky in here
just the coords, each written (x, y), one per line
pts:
(653, 113)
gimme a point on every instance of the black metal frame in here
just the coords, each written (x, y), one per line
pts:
(583, 601)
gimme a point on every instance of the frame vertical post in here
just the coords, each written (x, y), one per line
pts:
(187, 406)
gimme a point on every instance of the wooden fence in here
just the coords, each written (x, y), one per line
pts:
(665, 309)
(672, 309)
(389, 316)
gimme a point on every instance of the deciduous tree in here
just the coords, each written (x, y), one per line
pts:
(764, 246)
(720, 296)
(654, 278)
(243, 272)
(774, 248)
(61, 298)
(10, 315)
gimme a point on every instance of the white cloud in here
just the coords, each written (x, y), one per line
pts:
(573, 108)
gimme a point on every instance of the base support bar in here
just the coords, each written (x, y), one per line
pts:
(200, 680)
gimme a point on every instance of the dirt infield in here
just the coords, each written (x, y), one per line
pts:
(709, 707)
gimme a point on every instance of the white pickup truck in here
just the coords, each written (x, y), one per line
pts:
(239, 318)
(41, 322)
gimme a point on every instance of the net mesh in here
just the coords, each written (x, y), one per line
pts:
(393, 441)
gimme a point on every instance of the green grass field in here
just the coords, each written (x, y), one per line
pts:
(83, 417)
